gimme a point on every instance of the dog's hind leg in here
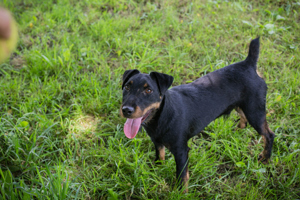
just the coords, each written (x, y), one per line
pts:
(256, 116)
(268, 137)
(243, 120)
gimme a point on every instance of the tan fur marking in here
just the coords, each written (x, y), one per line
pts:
(121, 113)
(186, 180)
(146, 85)
(243, 119)
(139, 113)
(265, 130)
(264, 152)
(265, 141)
(161, 153)
(266, 127)
(151, 106)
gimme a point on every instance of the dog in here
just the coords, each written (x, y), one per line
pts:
(172, 116)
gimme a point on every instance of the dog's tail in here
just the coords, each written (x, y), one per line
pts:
(253, 52)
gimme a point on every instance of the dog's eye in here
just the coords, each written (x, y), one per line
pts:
(148, 91)
(127, 87)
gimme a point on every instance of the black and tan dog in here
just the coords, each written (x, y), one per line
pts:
(172, 117)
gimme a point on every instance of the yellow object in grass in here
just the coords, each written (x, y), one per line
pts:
(7, 45)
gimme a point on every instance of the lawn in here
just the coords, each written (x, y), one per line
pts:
(61, 135)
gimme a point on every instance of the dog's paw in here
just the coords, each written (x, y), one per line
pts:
(241, 125)
(262, 159)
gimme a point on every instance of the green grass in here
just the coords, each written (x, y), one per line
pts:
(61, 136)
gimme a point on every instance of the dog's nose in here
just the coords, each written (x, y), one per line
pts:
(127, 111)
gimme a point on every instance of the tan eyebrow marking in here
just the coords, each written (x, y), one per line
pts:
(146, 85)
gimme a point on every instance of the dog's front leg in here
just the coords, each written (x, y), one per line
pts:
(182, 173)
(159, 152)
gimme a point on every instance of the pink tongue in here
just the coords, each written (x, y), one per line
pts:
(131, 127)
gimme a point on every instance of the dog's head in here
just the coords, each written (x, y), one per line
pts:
(142, 95)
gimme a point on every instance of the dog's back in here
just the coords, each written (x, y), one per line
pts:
(216, 93)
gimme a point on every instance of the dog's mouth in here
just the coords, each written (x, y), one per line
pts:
(132, 126)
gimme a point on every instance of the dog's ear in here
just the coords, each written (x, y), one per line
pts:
(164, 81)
(127, 74)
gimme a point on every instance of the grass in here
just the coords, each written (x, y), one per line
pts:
(61, 136)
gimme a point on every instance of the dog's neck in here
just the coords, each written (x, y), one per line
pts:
(152, 124)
